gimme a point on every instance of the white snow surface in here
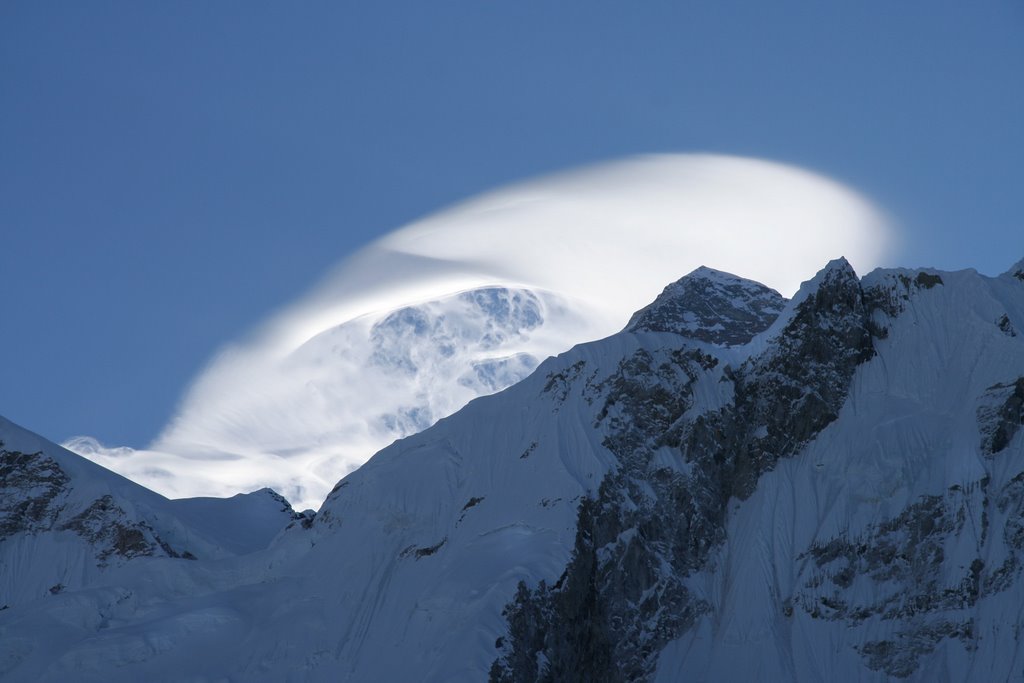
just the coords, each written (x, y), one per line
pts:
(306, 399)
(35, 561)
(411, 559)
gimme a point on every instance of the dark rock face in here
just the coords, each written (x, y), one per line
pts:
(899, 657)
(903, 556)
(623, 595)
(712, 307)
(559, 384)
(34, 499)
(790, 393)
(903, 562)
(1005, 326)
(1001, 415)
(891, 296)
(413, 551)
(927, 280)
(105, 525)
(29, 483)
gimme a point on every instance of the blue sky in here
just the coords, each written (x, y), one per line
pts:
(172, 172)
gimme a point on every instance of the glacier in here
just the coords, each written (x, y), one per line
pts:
(735, 487)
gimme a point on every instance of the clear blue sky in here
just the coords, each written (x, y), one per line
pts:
(172, 172)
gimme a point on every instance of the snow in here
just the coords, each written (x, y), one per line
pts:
(50, 553)
(401, 578)
(907, 430)
(296, 404)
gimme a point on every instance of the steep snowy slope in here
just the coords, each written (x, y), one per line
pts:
(734, 488)
(891, 546)
(65, 522)
(328, 404)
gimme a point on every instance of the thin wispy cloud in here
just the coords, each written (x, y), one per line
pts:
(469, 300)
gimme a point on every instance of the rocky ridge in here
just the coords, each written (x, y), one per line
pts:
(624, 595)
(711, 306)
(830, 491)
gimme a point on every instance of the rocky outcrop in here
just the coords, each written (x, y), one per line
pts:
(840, 498)
(787, 395)
(894, 289)
(30, 485)
(34, 499)
(1001, 415)
(656, 520)
(903, 572)
(711, 306)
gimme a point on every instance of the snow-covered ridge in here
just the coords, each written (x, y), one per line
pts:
(839, 498)
(65, 522)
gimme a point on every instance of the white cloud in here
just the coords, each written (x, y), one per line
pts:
(308, 396)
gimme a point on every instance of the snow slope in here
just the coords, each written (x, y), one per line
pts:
(347, 392)
(65, 522)
(829, 488)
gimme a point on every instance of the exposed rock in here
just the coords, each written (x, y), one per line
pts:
(31, 488)
(711, 306)
(894, 289)
(108, 528)
(1005, 326)
(899, 657)
(901, 563)
(1001, 415)
(623, 595)
(413, 551)
(927, 280)
(559, 384)
(34, 498)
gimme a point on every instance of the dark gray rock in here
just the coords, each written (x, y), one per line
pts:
(30, 487)
(34, 499)
(1001, 415)
(925, 594)
(711, 306)
(623, 596)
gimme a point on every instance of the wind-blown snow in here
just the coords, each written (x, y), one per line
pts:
(309, 396)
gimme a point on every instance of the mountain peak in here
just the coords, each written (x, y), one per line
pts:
(836, 268)
(711, 274)
(836, 271)
(711, 306)
(882, 466)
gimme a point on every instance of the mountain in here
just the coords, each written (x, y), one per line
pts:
(736, 487)
(711, 306)
(66, 523)
(322, 408)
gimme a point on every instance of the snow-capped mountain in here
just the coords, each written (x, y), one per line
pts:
(736, 487)
(65, 522)
(466, 301)
(345, 393)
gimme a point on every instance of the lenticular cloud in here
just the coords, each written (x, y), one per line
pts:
(468, 301)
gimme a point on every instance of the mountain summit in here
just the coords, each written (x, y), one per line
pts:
(711, 306)
(735, 487)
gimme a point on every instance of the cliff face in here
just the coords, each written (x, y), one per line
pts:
(736, 487)
(66, 524)
(653, 524)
